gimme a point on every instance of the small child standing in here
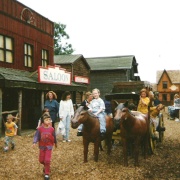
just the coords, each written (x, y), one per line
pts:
(10, 132)
(46, 137)
(143, 102)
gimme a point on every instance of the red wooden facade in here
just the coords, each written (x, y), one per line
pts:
(25, 26)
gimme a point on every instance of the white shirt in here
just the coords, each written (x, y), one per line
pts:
(66, 108)
(96, 104)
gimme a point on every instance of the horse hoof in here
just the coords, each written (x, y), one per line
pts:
(161, 129)
(79, 133)
(103, 135)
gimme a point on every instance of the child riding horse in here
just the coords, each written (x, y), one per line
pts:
(91, 131)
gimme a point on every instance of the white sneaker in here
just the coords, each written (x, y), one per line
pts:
(68, 140)
(177, 120)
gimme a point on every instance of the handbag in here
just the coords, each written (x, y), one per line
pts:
(60, 129)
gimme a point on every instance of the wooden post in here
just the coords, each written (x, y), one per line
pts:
(42, 100)
(20, 111)
(1, 112)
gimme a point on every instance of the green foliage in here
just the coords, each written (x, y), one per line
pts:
(61, 46)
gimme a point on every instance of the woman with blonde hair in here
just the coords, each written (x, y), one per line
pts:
(52, 105)
(85, 103)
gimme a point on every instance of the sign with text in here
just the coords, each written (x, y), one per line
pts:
(54, 75)
(81, 79)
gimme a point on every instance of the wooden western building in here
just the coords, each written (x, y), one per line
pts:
(26, 43)
(79, 68)
(168, 84)
(108, 70)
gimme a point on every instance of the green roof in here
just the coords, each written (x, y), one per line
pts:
(17, 75)
(66, 59)
(111, 63)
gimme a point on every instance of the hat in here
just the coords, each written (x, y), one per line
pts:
(9, 116)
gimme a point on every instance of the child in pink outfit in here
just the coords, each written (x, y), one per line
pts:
(46, 137)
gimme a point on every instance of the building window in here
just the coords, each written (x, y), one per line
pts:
(164, 97)
(44, 58)
(28, 55)
(6, 49)
(164, 84)
(172, 97)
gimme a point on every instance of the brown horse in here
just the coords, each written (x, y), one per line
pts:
(134, 127)
(91, 131)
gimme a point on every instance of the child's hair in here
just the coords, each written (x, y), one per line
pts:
(96, 90)
(143, 90)
(44, 116)
(10, 116)
(45, 110)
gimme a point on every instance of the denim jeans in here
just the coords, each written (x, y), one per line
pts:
(102, 121)
(9, 139)
(66, 121)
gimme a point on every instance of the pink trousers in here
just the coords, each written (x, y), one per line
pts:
(45, 159)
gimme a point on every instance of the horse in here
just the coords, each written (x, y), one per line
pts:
(134, 127)
(91, 131)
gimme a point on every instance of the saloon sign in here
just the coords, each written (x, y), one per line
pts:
(54, 75)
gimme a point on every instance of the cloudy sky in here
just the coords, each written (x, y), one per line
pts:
(147, 29)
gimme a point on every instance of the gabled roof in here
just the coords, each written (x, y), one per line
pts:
(68, 59)
(112, 63)
(174, 75)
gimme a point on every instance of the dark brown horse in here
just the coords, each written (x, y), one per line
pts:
(134, 127)
(91, 131)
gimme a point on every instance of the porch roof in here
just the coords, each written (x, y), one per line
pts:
(29, 80)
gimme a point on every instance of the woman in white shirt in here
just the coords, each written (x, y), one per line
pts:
(66, 112)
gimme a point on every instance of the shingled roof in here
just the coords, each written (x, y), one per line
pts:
(112, 63)
(16, 75)
(69, 59)
(174, 75)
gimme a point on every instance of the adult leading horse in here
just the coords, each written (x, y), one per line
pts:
(134, 127)
(91, 131)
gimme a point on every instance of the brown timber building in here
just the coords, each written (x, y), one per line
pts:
(26, 42)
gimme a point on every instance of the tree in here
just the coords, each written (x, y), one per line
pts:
(61, 46)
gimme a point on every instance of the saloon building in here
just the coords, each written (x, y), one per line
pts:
(27, 50)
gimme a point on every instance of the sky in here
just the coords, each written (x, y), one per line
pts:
(147, 29)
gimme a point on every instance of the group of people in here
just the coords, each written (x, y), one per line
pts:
(45, 134)
(64, 110)
(98, 107)
(150, 103)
